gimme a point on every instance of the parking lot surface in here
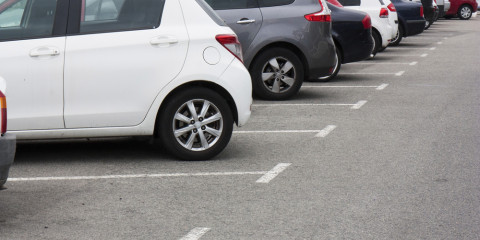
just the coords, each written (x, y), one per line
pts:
(387, 150)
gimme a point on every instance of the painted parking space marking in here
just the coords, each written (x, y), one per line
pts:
(424, 55)
(433, 48)
(413, 63)
(440, 42)
(270, 175)
(401, 55)
(381, 63)
(369, 73)
(307, 104)
(132, 176)
(327, 130)
(398, 74)
(379, 87)
(359, 104)
(195, 233)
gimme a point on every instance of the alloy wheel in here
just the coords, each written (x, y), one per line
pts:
(278, 74)
(197, 125)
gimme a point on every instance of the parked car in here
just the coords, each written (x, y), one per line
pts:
(410, 18)
(443, 7)
(284, 42)
(352, 34)
(383, 16)
(462, 9)
(164, 68)
(7, 140)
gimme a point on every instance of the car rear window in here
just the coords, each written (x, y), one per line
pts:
(350, 2)
(232, 4)
(213, 15)
(272, 3)
(120, 15)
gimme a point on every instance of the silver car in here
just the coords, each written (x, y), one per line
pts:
(283, 41)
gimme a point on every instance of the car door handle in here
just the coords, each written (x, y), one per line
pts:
(44, 51)
(164, 41)
(245, 21)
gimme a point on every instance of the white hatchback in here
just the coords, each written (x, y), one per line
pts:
(104, 68)
(384, 19)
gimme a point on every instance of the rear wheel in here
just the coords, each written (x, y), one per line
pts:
(277, 74)
(377, 40)
(398, 38)
(336, 68)
(196, 124)
(465, 12)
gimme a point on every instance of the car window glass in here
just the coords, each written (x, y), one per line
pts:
(232, 4)
(120, 15)
(350, 2)
(272, 3)
(24, 19)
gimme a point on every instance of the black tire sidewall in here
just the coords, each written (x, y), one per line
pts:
(165, 128)
(334, 74)
(400, 36)
(378, 42)
(460, 10)
(260, 90)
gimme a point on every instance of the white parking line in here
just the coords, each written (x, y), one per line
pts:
(195, 233)
(383, 86)
(359, 104)
(424, 55)
(439, 42)
(433, 48)
(327, 130)
(368, 73)
(413, 63)
(400, 55)
(380, 87)
(270, 175)
(398, 74)
(301, 104)
(380, 63)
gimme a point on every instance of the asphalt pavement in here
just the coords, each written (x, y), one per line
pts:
(387, 150)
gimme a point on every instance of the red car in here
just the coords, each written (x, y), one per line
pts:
(461, 8)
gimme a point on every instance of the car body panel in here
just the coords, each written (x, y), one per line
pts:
(355, 42)
(456, 4)
(409, 17)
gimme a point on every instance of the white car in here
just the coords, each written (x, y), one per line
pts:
(384, 19)
(165, 68)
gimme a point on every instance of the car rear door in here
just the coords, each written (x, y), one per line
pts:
(120, 54)
(242, 16)
(32, 42)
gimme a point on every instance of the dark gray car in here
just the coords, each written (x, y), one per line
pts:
(283, 41)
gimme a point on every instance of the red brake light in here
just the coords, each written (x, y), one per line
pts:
(318, 17)
(231, 43)
(421, 11)
(391, 7)
(383, 13)
(3, 113)
(367, 22)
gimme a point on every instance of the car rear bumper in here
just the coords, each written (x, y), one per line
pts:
(7, 153)
(414, 27)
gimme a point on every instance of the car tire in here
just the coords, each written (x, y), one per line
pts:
(377, 42)
(196, 124)
(398, 38)
(465, 12)
(336, 68)
(427, 24)
(277, 74)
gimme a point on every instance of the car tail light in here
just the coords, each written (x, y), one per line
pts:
(421, 11)
(367, 22)
(383, 13)
(391, 7)
(231, 43)
(318, 17)
(3, 113)
(321, 16)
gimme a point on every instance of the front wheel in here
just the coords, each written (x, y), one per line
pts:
(277, 74)
(465, 12)
(196, 124)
